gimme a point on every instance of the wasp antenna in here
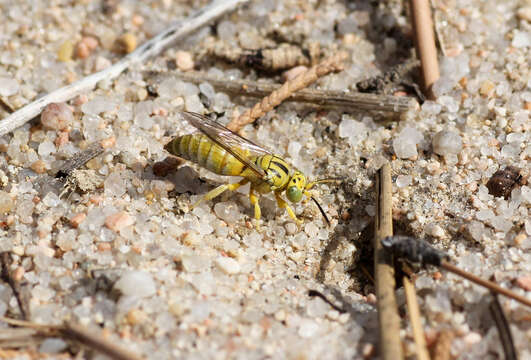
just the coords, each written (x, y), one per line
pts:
(321, 209)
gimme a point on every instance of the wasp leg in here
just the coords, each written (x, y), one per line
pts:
(219, 190)
(284, 205)
(254, 202)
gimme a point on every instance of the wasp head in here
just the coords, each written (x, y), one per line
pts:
(296, 187)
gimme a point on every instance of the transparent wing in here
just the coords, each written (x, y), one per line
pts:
(234, 144)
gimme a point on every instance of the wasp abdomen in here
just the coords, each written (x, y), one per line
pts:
(199, 149)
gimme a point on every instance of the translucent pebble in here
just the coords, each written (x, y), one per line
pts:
(193, 103)
(354, 131)
(449, 103)
(291, 228)
(8, 86)
(434, 230)
(207, 90)
(347, 25)
(46, 148)
(114, 185)
(485, 215)
(476, 230)
(136, 283)
(51, 200)
(308, 328)
(57, 116)
(194, 263)
(227, 211)
(431, 107)
(447, 142)
(293, 149)
(226, 30)
(404, 147)
(521, 39)
(501, 224)
(228, 265)
(510, 151)
(52, 346)
(98, 105)
(311, 230)
(515, 137)
(403, 180)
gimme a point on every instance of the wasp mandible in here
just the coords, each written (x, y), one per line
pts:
(224, 152)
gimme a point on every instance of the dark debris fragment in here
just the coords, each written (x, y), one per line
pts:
(413, 250)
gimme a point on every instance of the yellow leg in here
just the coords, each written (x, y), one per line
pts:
(284, 205)
(219, 190)
(254, 201)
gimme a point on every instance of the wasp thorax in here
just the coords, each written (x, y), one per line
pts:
(296, 187)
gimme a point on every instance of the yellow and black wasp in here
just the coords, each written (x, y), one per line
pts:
(224, 152)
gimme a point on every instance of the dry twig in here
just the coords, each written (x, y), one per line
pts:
(7, 276)
(78, 333)
(389, 320)
(425, 43)
(331, 64)
(488, 284)
(150, 48)
(414, 317)
(328, 99)
(504, 330)
(444, 345)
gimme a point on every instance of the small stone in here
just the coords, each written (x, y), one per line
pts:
(227, 211)
(57, 116)
(46, 148)
(184, 60)
(82, 50)
(61, 139)
(8, 86)
(6, 202)
(447, 142)
(136, 316)
(125, 44)
(228, 265)
(434, 230)
(524, 13)
(403, 180)
(108, 143)
(524, 282)
(39, 167)
(291, 228)
(308, 328)
(52, 346)
(136, 283)
(66, 51)
(118, 221)
(472, 338)
(77, 219)
(521, 39)
(487, 88)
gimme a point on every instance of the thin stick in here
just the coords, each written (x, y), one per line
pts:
(425, 43)
(389, 320)
(488, 284)
(504, 331)
(80, 334)
(150, 48)
(443, 346)
(414, 316)
(276, 97)
(97, 342)
(328, 99)
(7, 276)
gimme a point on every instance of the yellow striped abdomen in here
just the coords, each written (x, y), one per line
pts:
(199, 149)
